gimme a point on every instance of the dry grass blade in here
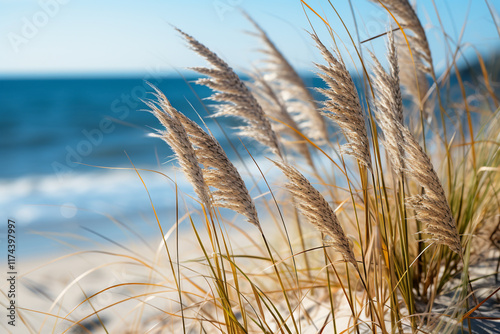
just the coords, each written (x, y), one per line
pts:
(218, 171)
(389, 105)
(316, 209)
(177, 138)
(236, 97)
(342, 105)
(275, 107)
(432, 208)
(291, 88)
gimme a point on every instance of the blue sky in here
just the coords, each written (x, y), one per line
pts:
(125, 37)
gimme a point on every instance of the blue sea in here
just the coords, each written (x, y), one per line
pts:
(68, 147)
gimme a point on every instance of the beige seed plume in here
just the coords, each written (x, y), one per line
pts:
(432, 208)
(237, 99)
(416, 65)
(407, 17)
(177, 138)
(274, 107)
(343, 105)
(389, 105)
(316, 209)
(407, 155)
(298, 99)
(414, 88)
(217, 172)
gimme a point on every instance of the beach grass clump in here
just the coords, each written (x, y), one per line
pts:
(394, 245)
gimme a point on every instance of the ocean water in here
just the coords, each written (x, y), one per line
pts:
(54, 134)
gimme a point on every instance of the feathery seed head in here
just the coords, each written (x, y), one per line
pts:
(275, 107)
(219, 173)
(407, 155)
(290, 87)
(389, 105)
(194, 146)
(417, 64)
(177, 138)
(432, 208)
(409, 20)
(343, 105)
(316, 209)
(236, 98)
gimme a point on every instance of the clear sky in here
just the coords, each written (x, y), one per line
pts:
(124, 37)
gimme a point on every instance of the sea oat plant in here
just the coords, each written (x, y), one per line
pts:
(382, 231)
